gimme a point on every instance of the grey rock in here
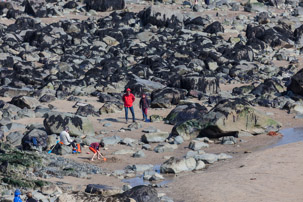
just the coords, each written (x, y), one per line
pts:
(178, 140)
(174, 165)
(207, 158)
(111, 140)
(14, 138)
(197, 145)
(155, 137)
(25, 102)
(165, 147)
(139, 154)
(228, 140)
(150, 129)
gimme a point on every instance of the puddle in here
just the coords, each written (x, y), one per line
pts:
(136, 181)
(290, 135)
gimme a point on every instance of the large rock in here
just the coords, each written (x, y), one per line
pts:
(162, 17)
(175, 166)
(165, 147)
(87, 110)
(60, 149)
(140, 193)
(155, 137)
(14, 138)
(139, 86)
(296, 85)
(103, 190)
(105, 5)
(207, 85)
(25, 102)
(214, 28)
(163, 98)
(78, 125)
(227, 118)
(111, 107)
(185, 112)
(35, 140)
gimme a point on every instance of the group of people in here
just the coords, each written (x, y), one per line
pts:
(128, 99)
(29, 196)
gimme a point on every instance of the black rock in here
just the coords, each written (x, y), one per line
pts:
(35, 140)
(105, 5)
(214, 28)
(70, 5)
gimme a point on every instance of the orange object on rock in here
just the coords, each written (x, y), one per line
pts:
(273, 133)
(104, 159)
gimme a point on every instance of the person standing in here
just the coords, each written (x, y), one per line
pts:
(144, 105)
(66, 139)
(17, 196)
(30, 197)
(128, 99)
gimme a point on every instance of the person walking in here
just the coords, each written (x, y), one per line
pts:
(144, 105)
(128, 99)
(66, 139)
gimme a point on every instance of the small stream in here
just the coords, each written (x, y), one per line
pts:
(290, 135)
(135, 181)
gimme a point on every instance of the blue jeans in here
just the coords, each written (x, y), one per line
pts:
(131, 110)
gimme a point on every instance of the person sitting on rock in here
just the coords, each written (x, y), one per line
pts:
(66, 139)
(144, 105)
(128, 99)
(95, 148)
(17, 196)
(30, 197)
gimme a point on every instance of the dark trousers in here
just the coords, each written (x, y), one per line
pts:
(73, 144)
(206, 2)
(131, 110)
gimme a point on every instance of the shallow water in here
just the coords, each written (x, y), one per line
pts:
(136, 181)
(290, 135)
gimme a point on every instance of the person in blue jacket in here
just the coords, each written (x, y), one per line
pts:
(17, 196)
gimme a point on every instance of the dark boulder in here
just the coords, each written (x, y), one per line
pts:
(164, 98)
(240, 52)
(47, 98)
(71, 5)
(35, 140)
(185, 112)
(296, 85)
(86, 111)
(103, 98)
(25, 102)
(207, 85)
(105, 5)
(140, 193)
(214, 28)
(162, 17)
(269, 86)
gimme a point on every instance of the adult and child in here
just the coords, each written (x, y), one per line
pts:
(128, 99)
(29, 196)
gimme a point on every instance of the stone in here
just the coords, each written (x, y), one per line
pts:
(108, 108)
(14, 138)
(135, 125)
(88, 140)
(175, 166)
(228, 140)
(139, 154)
(156, 118)
(102, 190)
(111, 140)
(161, 17)
(150, 129)
(156, 177)
(207, 158)
(200, 165)
(155, 137)
(105, 5)
(65, 197)
(141, 167)
(141, 193)
(296, 85)
(178, 140)
(165, 147)
(185, 112)
(147, 147)
(60, 149)
(214, 28)
(227, 118)
(86, 110)
(15, 126)
(35, 139)
(25, 102)
(224, 156)
(78, 125)
(123, 152)
(197, 145)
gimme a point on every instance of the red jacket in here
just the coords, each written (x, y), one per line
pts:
(128, 100)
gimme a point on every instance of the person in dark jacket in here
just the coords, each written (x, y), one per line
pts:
(17, 196)
(128, 99)
(30, 197)
(144, 105)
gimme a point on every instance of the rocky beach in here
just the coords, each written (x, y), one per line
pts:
(225, 86)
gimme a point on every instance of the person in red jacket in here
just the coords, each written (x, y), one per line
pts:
(128, 99)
